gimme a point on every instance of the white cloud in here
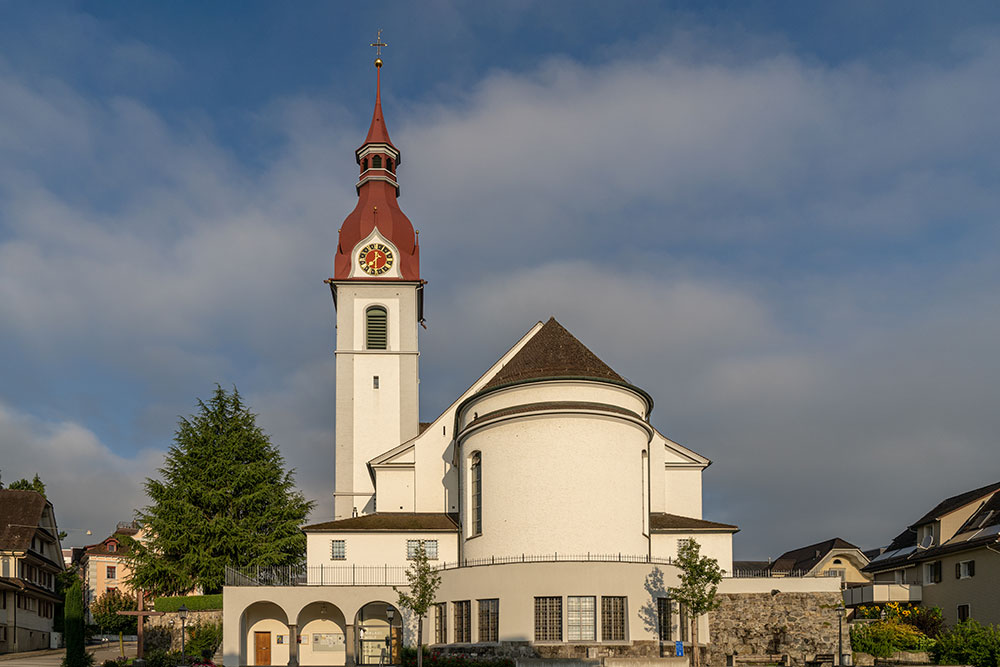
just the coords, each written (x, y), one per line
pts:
(793, 258)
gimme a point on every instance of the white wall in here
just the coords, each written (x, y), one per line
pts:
(376, 548)
(558, 483)
(682, 490)
(714, 545)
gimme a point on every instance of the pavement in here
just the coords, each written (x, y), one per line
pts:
(54, 657)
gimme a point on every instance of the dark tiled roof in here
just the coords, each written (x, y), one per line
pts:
(424, 426)
(748, 566)
(17, 510)
(805, 558)
(101, 548)
(391, 521)
(553, 352)
(664, 521)
(953, 503)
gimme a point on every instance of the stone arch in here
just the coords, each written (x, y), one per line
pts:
(264, 618)
(323, 628)
(372, 628)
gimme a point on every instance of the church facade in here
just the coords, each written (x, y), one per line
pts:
(551, 506)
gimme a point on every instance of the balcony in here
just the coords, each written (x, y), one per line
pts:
(880, 593)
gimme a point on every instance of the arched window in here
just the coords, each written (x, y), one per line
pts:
(364, 164)
(388, 163)
(376, 328)
(476, 487)
(376, 162)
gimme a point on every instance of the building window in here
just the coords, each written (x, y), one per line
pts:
(463, 621)
(932, 572)
(613, 618)
(963, 613)
(338, 550)
(489, 620)
(581, 618)
(441, 623)
(388, 163)
(430, 547)
(965, 569)
(112, 572)
(476, 480)
(548, 619)
(376, 162)
(664, 619)
(376, 328)
(374, 382)
(364, 164)
(112, 547)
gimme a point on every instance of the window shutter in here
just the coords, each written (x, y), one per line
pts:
(958, 570)
(937, 572)
(376, 329)
(972, 568)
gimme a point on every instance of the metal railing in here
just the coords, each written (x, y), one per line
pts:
(395, 575)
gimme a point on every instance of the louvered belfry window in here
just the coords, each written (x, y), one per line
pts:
(376, 328)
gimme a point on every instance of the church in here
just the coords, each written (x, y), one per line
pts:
(548, 502)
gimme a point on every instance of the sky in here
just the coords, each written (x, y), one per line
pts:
(780, 219)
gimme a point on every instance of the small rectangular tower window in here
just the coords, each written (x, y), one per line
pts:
(338, 550)
(374, 382)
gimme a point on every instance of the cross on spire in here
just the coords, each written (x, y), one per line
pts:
(378, 44)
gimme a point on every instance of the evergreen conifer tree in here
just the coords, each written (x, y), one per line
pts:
(76, 654)
(224, 499)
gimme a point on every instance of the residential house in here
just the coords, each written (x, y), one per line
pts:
(30, 561)
(104, 565)
(831, 558)
(948, 558)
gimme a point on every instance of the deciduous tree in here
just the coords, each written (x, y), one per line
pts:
(700, 577)
(105, 612)
(225, 498)
(424, 582)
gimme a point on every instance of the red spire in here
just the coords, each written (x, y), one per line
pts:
(377, 207)
(377, 133)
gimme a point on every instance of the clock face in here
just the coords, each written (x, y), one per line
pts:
(375, 259)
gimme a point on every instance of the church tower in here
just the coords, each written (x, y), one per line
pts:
(378, 295)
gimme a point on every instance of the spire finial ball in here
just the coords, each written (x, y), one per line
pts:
(378, 62)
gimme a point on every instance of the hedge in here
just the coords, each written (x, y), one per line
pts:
(192, 602)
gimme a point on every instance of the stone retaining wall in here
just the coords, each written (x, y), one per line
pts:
(799, 625)
(155, 623)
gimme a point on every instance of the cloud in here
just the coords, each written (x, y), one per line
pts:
(794, 258)
(91, 487)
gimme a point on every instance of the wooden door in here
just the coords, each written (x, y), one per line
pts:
(262, 648)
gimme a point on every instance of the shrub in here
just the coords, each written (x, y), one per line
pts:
(204, 639)
(968, 643)
(167, 659)
(192, 602)
(883, 638)
(928, 620)
(156, 638)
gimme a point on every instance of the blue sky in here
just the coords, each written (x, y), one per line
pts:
(778, 218)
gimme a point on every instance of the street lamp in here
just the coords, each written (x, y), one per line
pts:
(390, 613)
(182, 613)
(840, 633)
